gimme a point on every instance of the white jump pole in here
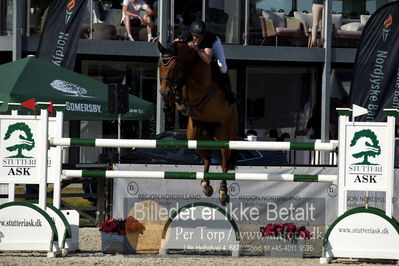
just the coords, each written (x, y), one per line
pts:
(195, 144)
(200, 176)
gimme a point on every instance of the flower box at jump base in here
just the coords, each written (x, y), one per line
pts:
(285, 240)
(120, 235)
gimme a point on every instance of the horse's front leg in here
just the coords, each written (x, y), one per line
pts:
(205, 184)
(224, 197)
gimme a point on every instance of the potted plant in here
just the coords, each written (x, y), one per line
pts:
(133, 229)
(285, 239)
(120, 235)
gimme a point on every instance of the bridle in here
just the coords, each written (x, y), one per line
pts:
(177, 83)
(176, 87)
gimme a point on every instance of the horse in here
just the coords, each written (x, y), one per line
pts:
(187, 82)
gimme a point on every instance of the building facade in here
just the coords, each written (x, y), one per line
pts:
(279, 80)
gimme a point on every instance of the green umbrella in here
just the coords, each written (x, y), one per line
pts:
(85, 98)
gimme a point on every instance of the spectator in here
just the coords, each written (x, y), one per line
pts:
(314, 123)
(252, 135)
(284, 136)
(273, 133)
(317, 12)
(131, 16)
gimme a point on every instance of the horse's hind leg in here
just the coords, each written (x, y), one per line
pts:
(224, 197)
(205, 184)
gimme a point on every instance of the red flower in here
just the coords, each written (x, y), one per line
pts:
(286, 230)
(120, 226)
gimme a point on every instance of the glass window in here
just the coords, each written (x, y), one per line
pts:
(226, 19)
(304, 6)
(141, 81)
(275, 5)
(340, 87)
(279, 98)
(90, 129)
(37, 12)
(6, 17)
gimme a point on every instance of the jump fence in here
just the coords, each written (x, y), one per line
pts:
(199, 175)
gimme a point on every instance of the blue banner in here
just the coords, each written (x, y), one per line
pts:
(375, 80)
(61, 32)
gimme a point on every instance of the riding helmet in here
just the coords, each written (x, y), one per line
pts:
(198, 28)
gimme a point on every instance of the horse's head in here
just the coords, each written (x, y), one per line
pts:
(170, 72)
(175, 67)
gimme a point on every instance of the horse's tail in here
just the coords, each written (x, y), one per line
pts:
(233, 160)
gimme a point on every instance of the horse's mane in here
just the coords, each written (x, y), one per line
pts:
(185, 52)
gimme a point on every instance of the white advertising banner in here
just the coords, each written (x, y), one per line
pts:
(253, 204)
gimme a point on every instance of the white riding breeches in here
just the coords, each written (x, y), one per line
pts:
(218, 53)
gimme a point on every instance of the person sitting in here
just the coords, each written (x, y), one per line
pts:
(132, 17)
(208, 45)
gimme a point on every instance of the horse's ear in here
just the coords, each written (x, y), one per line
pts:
(161, 48)
(173, 48)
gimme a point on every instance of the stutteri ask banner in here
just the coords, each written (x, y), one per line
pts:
(61, 32)
(375, 80)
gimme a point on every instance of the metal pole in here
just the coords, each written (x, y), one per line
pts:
(172, 19)
(163, 29)
(17, 12)
(326, 84)
(119, 136)
(246, 22)
(91, 20)
(203, 10)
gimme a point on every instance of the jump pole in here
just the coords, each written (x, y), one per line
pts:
(195, 144)
(67, 174)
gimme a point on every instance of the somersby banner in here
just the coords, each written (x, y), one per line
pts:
(375, 80)
(61, 32)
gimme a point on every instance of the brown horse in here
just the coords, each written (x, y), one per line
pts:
(187, 82)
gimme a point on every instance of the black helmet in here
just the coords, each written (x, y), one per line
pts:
(198, 28)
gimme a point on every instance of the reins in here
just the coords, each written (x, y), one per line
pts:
(178, 83)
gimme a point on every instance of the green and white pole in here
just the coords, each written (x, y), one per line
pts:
(67, 174)
(195, 144)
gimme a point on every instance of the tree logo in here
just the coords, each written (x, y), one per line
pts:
(21, 136)
(366, 141)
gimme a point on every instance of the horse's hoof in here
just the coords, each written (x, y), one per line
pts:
(206, 188)
(224, 198)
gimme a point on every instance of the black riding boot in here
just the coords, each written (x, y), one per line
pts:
(226, 85)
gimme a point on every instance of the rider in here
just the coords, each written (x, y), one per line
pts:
(207, 45)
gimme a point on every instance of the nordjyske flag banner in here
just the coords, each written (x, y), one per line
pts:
(61, 32)
(375, 80)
